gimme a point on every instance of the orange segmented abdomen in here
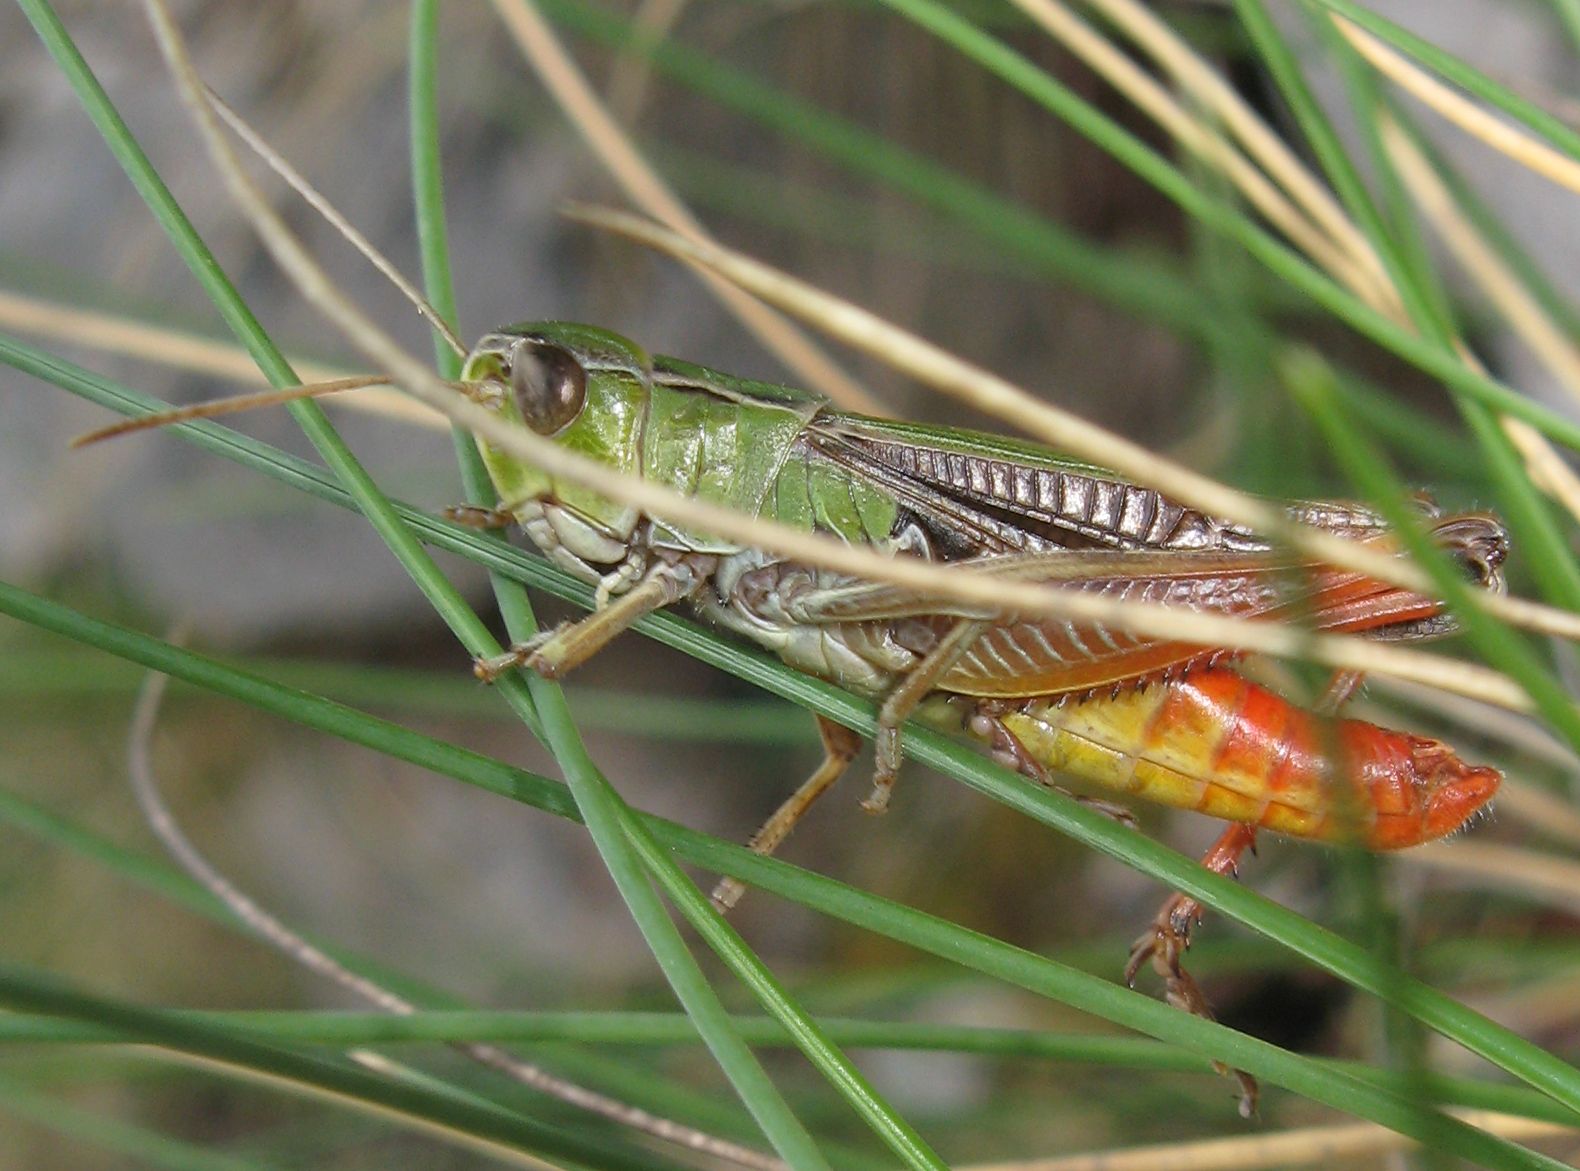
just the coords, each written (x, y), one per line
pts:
(1217, 743)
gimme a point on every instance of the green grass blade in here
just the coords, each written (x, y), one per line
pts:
(25, 991)
(1405, 251)
(184, 237)
(898, 1135)
(1149, 289)
(1308, 377)
(629, 1029)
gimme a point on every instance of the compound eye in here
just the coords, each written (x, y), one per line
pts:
(548, 383)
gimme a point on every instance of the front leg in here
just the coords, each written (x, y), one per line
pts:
(553, 653)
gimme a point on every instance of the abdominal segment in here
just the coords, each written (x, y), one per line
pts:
(1214, 742)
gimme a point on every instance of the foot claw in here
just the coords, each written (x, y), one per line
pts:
(1249, 1092)
(523, 654)
(1108, 809)
(490, 667)
(726, 893)
(877, 801)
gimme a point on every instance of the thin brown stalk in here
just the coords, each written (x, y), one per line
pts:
(320, 203)
(215, 408)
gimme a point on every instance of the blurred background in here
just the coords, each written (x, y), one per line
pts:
(849, 146)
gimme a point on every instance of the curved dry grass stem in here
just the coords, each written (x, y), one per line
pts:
(316, 200)
(1540, 1008)
(631, 74)
(136, 339)
(439, 1132)
(945, 582)
(1529, 152)
(1548, 878)
(289, 943)
(1505, 290)
(1520, 733)
(1366, 276)
(1310, 1146)
(1542, 461)
(108, 333)
(1066, 432)
(1541, 811)
(642, 184)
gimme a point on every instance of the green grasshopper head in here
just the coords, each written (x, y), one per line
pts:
(583, 387)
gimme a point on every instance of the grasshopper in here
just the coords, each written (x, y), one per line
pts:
(1166, 721)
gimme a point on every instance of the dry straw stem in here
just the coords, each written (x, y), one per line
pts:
(1541, 811)
(185, 351)
(1208, 89)
(1371, 282)
(1541, 1007)
(1350, 260)
(631, 73)
(1529, 152)
(1505, 290)
(995, 593)
(1313, 1146)
(1502, 286)
(642, 184)
(1069, 433)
